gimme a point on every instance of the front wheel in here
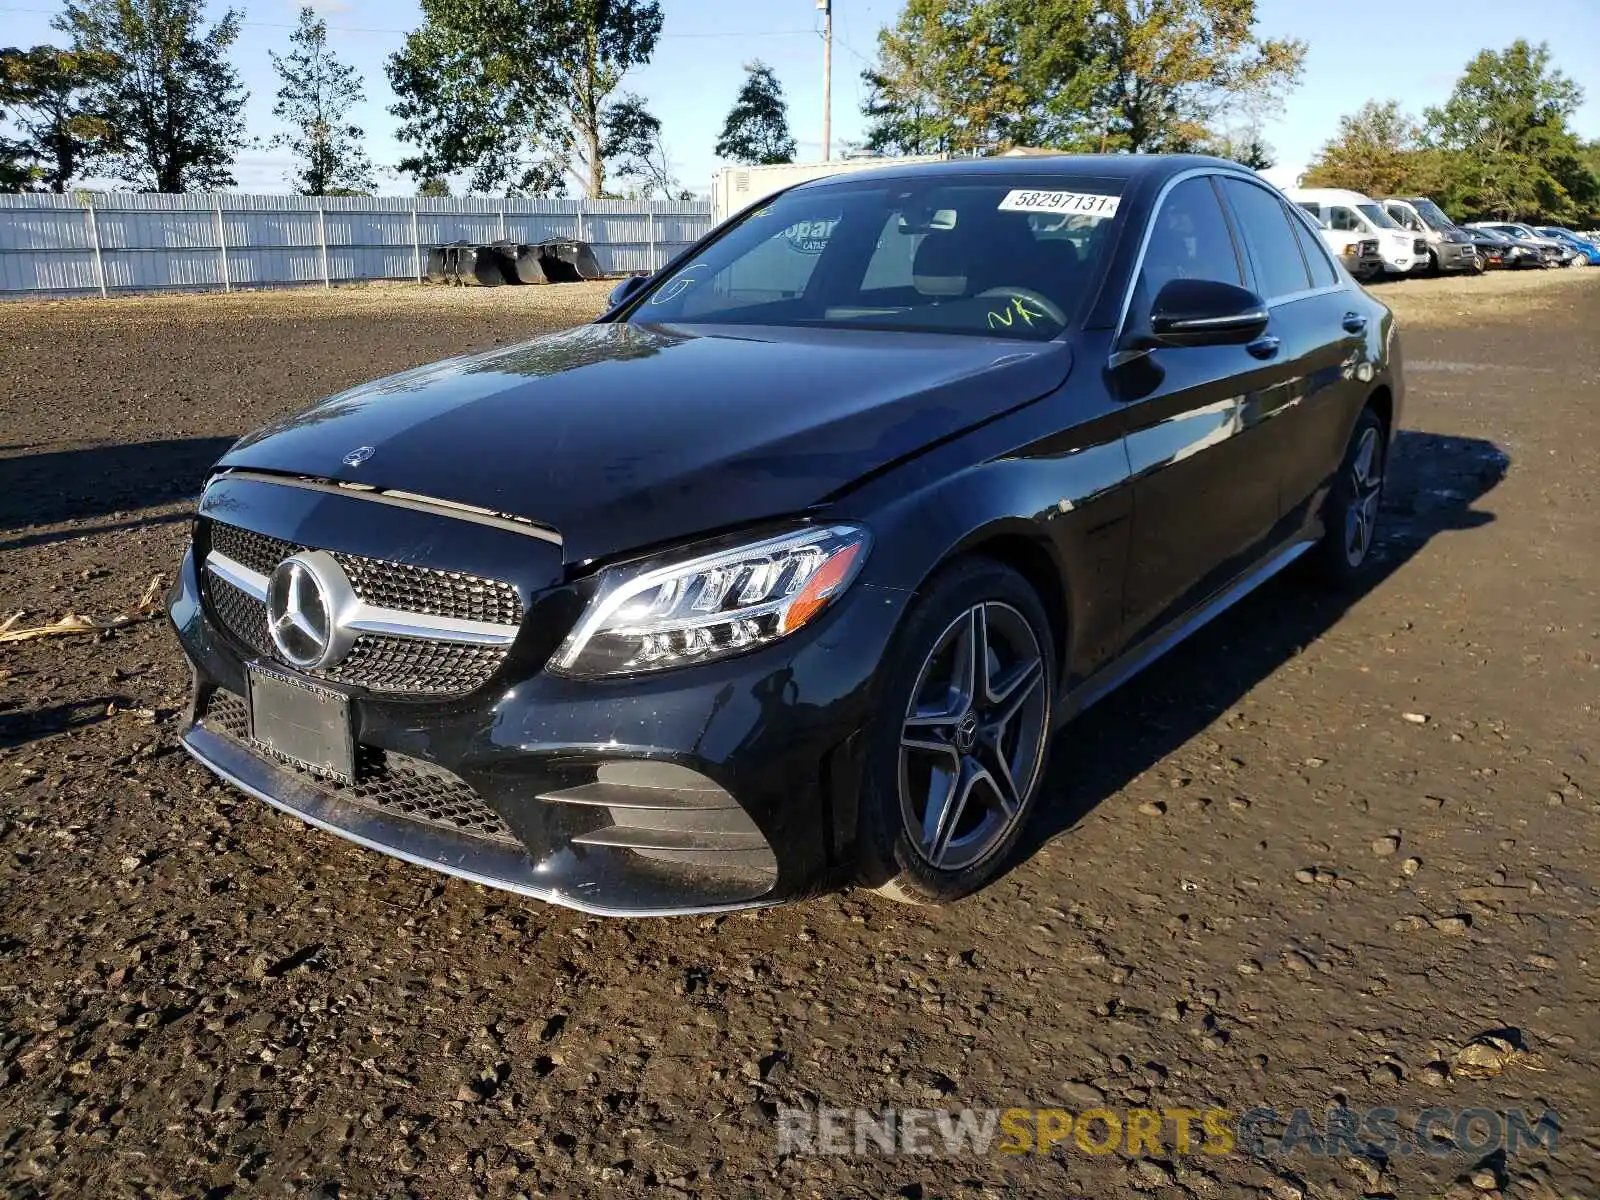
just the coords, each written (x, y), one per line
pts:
(957, 755)
(1350, 521)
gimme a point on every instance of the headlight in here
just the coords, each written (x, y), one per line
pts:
(657, 616)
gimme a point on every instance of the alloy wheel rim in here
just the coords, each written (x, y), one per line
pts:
(1366, 487)
(972, 741)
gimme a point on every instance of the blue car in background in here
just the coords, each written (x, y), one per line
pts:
(1587, 250)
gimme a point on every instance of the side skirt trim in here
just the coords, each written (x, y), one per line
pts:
(1113, 675)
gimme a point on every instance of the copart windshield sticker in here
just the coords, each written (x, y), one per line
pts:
(1089, 204)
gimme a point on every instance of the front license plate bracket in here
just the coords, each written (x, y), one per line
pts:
(303, 722)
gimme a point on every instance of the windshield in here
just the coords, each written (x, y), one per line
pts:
(1433, 215)
(1377, 216)
(991, 256)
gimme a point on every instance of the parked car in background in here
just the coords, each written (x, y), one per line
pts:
(1360, 255)
(1351, 212)
(1556, 253)
(1588, 251)
(1519, 252)
(782, 574)
(1449, 246)
(1496, 252)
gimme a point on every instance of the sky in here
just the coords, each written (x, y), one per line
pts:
(1357, 52)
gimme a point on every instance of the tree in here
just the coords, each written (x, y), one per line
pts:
(757, 127)
(947, 79)
(434, 187)
(519, 91)
(1248, 149)
(317, 94)
(633, 145)
(1172, 66)
(49, 92)
(1375, 152)
(1507, 123)
(175, 104)
(1139, 75)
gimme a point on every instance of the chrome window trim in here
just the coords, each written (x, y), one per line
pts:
(362, 617)
(397, 499)
(1261, 185)
(1149, 229)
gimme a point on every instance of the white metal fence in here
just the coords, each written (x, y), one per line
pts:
(100, 244)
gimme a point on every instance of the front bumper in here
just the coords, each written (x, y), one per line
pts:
(1456, 256)
(721, 786)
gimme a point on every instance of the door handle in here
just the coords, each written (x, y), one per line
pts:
(1264, 347)
(1354, 322)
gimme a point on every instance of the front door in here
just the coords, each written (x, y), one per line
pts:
(1205, 492)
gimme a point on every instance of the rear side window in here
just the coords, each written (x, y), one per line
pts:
(1189, 240)
(1322, 272)
(1269, 239)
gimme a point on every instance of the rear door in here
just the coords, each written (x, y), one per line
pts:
(1205, 483)
(1320, 326)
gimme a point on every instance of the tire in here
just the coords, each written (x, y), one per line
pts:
(1433, 264)
(938, 818)
(1350, 517)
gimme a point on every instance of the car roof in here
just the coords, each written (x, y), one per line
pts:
(1128, 167)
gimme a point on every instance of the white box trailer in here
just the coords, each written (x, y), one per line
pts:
(735, 188)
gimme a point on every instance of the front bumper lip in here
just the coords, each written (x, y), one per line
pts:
(409, 841)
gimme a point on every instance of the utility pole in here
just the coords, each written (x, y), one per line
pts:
(827, 78)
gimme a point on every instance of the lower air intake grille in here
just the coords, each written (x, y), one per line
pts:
(395, 784)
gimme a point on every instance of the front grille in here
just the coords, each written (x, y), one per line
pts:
(414, 666)
(250, 549)
(394, 784)
(437, 593)
(1419, 248)
(400, 586)
(241, 614)
(390, 665)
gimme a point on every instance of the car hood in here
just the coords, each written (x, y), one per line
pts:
(624, 436)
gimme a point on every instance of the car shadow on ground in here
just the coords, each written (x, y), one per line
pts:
(1434, 481)
(96, 481)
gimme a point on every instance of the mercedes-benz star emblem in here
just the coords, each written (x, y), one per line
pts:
(305, 597)
(967, 733)
(358, 456)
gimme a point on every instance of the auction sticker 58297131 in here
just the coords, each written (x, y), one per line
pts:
(1087, 204)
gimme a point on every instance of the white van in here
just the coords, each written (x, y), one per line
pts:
(1351, 212)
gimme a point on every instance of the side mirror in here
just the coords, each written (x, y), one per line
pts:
(1205, 312)
(626, 289)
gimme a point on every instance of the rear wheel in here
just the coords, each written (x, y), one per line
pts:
(957, 756)
(1351, 517)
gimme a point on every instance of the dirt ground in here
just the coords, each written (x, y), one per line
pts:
(1305, 861)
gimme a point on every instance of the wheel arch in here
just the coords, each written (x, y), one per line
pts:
(1018, 544)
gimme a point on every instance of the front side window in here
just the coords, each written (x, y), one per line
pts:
(1269, 238)
(1340, 217)
(1189, 240)
(996, 256)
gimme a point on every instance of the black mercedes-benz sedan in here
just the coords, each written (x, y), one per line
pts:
(782, 574)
